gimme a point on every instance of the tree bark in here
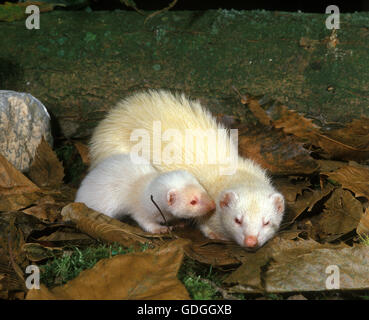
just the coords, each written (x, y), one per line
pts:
(79, 64)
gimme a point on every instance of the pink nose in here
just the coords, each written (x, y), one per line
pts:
(250, 241)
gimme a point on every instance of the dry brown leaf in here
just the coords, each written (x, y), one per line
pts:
(47, 212)
(147, 275)
(283, 118)
(337, 150)
(15, 227)
(352, 178)
(100, 226)
(299, 266)
(278, 153)
(258, 111)
(213, 252)
(14, 202)
(38, 252)
(83, 152)
(293, 123)
(349, 143)
(363, 227)
(12, 181)
(16, 190)
(248, 278)
(46, 169)
(307, 270)
(341, 215)
(354, 134)
(330, 165)
(291, 189)
(307, 200)
(65, 235)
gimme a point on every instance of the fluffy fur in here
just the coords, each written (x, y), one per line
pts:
(117, 186)
(248, 209)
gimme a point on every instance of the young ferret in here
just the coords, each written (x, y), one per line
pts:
(117, 186)
(248, 208)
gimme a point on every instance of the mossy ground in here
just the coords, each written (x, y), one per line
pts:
(60, 270)
(198, 279)
(202, 282)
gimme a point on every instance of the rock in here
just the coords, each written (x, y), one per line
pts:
(24, 120)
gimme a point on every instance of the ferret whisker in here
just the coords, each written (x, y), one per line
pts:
(165, 220)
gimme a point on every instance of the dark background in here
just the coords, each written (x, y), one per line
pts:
(303, 5)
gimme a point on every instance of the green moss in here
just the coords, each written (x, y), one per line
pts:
(72, 162)
(60, 270)
(199, 280)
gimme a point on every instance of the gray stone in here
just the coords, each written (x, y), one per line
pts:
(24, 120)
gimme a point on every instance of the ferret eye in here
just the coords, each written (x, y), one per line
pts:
(238, 221)
(265, 223)
(193, 202)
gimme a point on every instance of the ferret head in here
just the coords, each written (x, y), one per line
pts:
(251, 218)
(185, 197)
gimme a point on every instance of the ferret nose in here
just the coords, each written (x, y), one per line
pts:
(250, 241)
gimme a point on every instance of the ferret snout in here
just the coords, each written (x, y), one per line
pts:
(251, 241)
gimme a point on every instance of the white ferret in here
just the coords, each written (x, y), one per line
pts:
(117, 186)
(248, 209)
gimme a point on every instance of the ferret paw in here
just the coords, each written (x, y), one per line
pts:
(161, 229)
(207, 232)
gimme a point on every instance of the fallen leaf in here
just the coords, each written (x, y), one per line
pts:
(270, 148)
(217, 253)
(307, 200)
(100, 226)
(291, 189)
(47, 212)
(348, 143)
(13, 202)
(341, 215)
(38, 252)
(354, 134)
(65, 235)
(83, 152)
(12, 181)
(258, 111)
(352, 178)
(284, 266)
(136, 276)
(292, 122)
(330, 165)
(46, 169)
(337, 150)
(363, 226)
(15, 227)
(307, 270)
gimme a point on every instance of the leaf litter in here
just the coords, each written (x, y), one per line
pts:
(326, 211)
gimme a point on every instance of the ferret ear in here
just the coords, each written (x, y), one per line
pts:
(278, 202)
(228, 199)
(171, 196)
